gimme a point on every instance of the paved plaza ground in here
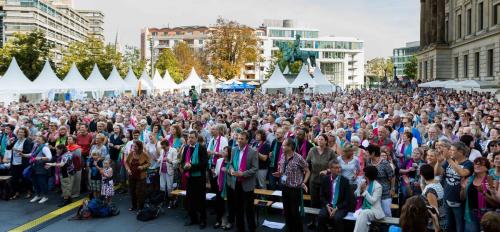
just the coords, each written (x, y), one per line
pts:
(19, 212)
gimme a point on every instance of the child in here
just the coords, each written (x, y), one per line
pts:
(93, 162)
(107, 189)
(221, 168)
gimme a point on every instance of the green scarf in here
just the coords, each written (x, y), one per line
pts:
(366, 204)
(195, 160)
(3, 144)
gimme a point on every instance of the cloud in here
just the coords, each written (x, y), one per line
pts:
(382, 24)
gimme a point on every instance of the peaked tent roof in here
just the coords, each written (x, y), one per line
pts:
(287, 70)
(146, 83)
(276, 81)
(75, 80)
(97, 80)
(168, 82)
(303, 78)
(192, 80)
(47, 79)
(322, 84)
(157, 81)
(131, 80)
(116, 82)
(14, 80)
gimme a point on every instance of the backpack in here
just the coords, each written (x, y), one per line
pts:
(147, 214)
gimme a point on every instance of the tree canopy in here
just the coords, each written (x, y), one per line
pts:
(410, 69)
(31, 51)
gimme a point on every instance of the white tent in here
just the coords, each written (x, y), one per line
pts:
(276, 81)
(168, 82)
(157, 81)
(430, 84)
(14, 80)
(232, 81)
(48, 81)
(443, 84)
(76, 81)
(97, 80)
(145, 81)
(303, 78)
(131, 80)
(322, 84)
(14, 83)
(116, 82)
(286, 71)
(192, 80)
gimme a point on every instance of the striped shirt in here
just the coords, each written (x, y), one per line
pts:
(293, 168)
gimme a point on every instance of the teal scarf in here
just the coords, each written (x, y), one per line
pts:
(481, 200)
(195, 160)
(3, 144)
(177, 143)
(224, 185)
(337, 189)
(366, 204)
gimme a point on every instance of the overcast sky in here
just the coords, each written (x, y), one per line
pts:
(382, 24)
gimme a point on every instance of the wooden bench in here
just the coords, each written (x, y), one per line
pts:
(178, 192)
(266, 192)
(385, 220)
(5, 178)
(307, 210)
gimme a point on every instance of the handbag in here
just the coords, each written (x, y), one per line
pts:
(27, 172)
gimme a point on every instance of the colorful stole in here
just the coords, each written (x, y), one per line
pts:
(481, 200)
(192, 155)
(366, 204)
(222, 180)
(243, 165)
(275, 150)
(335, 196)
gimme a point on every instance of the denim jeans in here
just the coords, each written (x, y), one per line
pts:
(473, 225)
(41, 184)
(455, 218)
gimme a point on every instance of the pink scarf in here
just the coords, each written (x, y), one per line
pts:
(188, 159)
(243, 163)
(303, 149)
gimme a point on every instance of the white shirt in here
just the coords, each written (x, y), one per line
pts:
(16, 156)
(223, 143)
(241, 155)
(474, 154)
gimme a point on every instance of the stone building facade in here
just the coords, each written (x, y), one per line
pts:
(460, 39)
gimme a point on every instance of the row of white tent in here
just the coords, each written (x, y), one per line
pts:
(14, 83)
(461, 85)
(319, 84)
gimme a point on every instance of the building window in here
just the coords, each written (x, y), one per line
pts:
(469, 21)
(456, 67)
(432, 69)
(425, 70)
(490, 62)
(477, 64)
(446, 30)
(459, 27)
(466, 66)
(420, 68)
(480, 16)
(496, 14)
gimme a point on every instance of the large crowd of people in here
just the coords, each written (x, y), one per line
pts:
(356, 151)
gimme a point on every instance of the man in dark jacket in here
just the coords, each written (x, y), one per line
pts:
(194, 163)
(335, 198)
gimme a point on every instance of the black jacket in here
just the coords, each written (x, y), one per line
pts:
(202, 158)
(345, 192)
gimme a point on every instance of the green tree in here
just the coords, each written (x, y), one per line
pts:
(187, 59)
(230, 46)
(410, 68)
(168, 61)
(277, 57)
(90, 52)
(295, 67)
(381, 68)
(30, 50)
(132, 58)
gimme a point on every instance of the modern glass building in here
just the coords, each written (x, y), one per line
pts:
(60, 22)
(401, 56)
